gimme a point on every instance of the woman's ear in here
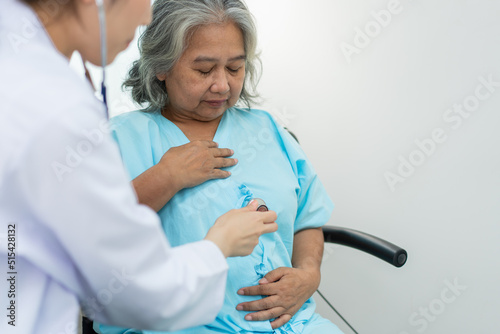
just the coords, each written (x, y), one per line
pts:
(161, 76)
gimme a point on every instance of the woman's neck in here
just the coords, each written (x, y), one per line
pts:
(194, 129)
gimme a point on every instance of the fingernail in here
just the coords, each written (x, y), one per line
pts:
(239, 308)
(263, 281)
(248, 317)
(235, 161)
(241, 292)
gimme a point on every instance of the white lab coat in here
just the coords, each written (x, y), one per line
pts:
(80, 236)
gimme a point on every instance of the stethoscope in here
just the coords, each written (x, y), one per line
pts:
(104, 51)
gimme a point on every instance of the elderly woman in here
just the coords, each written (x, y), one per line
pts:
(198, 59)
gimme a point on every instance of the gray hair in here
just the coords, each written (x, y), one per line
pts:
(165, 40)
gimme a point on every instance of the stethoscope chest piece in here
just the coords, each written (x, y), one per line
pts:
(262, 207)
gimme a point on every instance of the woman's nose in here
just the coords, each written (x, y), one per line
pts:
(221, 82)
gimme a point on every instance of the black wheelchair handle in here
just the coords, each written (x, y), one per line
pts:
(367, 243)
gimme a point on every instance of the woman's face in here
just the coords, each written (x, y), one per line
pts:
(209, 76)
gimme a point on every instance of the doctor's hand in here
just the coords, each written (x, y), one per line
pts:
(287, 289)
(196, 162)
(237, 232)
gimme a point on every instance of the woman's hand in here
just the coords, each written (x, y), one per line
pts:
(237, 232)
(196, 162)
(182, 167)
(287, 289)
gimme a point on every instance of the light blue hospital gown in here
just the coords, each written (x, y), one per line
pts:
(271, 166)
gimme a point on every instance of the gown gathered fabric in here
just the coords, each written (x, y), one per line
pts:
(271, 166)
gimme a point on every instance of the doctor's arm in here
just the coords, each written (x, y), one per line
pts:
(182, 167)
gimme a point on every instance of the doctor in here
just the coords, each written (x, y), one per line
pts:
(71, 231)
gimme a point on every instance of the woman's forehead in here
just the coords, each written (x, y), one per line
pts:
(215, 42)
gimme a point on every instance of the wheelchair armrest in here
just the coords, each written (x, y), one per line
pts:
(367, 243)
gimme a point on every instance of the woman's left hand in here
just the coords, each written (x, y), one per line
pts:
(287, 289)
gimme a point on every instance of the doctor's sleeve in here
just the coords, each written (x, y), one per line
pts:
(314, 205)
(79, 191)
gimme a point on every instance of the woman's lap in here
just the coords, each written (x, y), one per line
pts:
(316, 325)
(320, 325)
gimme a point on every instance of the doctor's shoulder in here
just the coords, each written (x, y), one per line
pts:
(48, 86)
(40, 93)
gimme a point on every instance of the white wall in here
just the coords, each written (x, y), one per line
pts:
(357, 117)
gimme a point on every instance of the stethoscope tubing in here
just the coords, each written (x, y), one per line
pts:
(104, 51)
